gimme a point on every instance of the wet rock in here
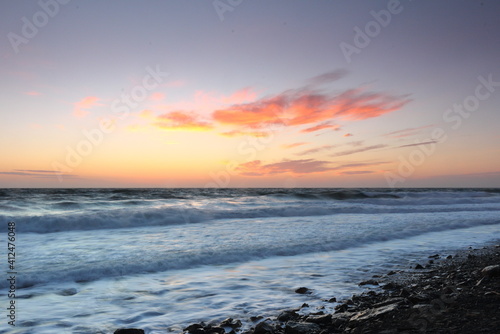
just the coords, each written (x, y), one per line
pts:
(256, 318)
(332, 300)
(287, 316)
(369, 282)
(303, 290)
(214, 330)
(193, 329)
(263, 327)
(68, 292)
(392, 272)
(339, 319)
(319, 319)
(449, 257)
(491, 271)
(129, 331)
(304, 305)
(230, 322)
(391, 286)
(374, 313)
(418, 266)
(435, 256)
(301, 328)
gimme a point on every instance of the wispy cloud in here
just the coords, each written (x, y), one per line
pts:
(419, 144)
(35, 173)
(348, 135)
(181, 120)
(357, 172)
(358, 150)
(294, 145)
(407, 132)
(81, 107)
(309, 106)
(157, 96)
(317, 149)
(33, 93)
(328, 77)
(305, 166)
(236, 133)
(321, 126)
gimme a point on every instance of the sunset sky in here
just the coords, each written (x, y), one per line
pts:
(244, 93)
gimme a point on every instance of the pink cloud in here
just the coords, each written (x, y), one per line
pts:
(305, 106)
(81, 107)
(348, 135)
(181, 120)
(294, 145)
(317, 149)
(321, 126)
(157, 96)
(305, 166)
(33, 93)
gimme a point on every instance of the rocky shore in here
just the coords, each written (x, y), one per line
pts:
(449, 294)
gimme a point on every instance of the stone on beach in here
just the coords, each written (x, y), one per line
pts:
(491, 271)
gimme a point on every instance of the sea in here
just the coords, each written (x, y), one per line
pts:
(95, 260)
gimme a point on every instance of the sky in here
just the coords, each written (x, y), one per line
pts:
(242, 93)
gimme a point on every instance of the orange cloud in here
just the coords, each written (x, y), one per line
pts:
(348, 135)
(245, 133)
(317, 149)
(321, 126)
(305, 166)
(294, 145)
(80, 109)
(181, 120)
(308, 106)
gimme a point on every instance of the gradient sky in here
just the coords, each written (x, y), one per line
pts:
(246, 93)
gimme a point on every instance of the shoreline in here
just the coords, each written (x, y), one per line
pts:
(448, 294)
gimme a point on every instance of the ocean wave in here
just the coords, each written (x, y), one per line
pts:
(344, 237)
(176, 215)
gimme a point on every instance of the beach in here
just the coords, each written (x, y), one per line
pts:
(160, 260)
(456, 294)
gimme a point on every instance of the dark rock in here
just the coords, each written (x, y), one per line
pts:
(287, 316)
(391, 286)
(301, 328)
(68, 292)
(129, 331)
(319, 319)
(256, 318)
(435, 256)
(230, 322)
(263, 327)
(304, 305)
(215, 330)
(332, 300)
(418, 266)
(302, 290)
(491, 271)
(369, 282)
(391, 273)
(341, 308)
(372, 314)
(339, 319)
(449, 257)
(194, 328)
